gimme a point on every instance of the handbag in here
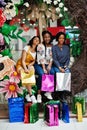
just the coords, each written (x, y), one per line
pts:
(47, 83)
(28, 78)
(63, 81)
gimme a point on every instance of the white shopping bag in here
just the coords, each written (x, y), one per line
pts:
(63, 81)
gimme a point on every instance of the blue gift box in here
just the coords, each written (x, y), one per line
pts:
(65, 112)
(16, 109)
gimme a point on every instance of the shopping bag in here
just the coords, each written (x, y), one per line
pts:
(51, 115)
(26, 112)
(80, 100)
(16, 109)
(28, 78)
(79, 111)
(65, 112)
(33, 113)
(63, 81)
(47, 83)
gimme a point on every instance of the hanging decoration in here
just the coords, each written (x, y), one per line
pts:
(43, 10)
(38, 12)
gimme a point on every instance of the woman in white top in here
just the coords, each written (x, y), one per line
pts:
(44, 62)
(26, 62)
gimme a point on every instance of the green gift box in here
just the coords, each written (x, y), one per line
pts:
(81, 100)
(33, 113)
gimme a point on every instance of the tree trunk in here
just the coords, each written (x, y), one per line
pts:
(78, 11)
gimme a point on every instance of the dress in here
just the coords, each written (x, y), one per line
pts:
(30, 57)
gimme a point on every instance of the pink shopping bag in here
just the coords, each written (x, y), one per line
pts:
(47, 83)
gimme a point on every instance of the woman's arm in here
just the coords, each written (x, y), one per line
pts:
(23, 61)
(54, 55)
(68, 57)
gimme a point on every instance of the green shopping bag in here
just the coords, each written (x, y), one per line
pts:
(33, 113)
(81, 100)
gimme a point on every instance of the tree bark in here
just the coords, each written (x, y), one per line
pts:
(78, 11)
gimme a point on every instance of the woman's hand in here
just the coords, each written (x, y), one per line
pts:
(26, 71)
(61, 70)
(45, 71)
(48, 68)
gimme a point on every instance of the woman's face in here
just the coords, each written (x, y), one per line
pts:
(47, 38)
(61, 39)
(36, 41)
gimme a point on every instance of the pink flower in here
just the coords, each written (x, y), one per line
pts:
(10, 88)
(14, 76)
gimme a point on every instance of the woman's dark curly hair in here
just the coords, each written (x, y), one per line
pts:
(47, 32)
(59, 34)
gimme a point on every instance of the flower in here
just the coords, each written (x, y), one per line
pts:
(65, 9)
(10, 88)
(58, 0)
(57, 9)
(60, 15)
(48, 1)
(14, 77)
(16, 1)
(61, 5)
(55, 2)
(10, 11)
(26, 4)
(2, 18)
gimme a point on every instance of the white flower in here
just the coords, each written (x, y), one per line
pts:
(26, 4)
(55, 2)
(57, 9)
(16, 1)
(61, 5)
(60, 15)
(44, 0)
(9, 12)
(13, 13)
(65, 9)
(48, 1)
(58, 0)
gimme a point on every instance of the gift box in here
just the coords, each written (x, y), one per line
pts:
(56, 120)
(26, 112)
(51, 113)
(52, 102)
(16, 109)
(65, 112)
(33, 113)
(81, 100)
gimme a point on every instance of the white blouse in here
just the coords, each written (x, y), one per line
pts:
(44, 55)
(26, 48)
